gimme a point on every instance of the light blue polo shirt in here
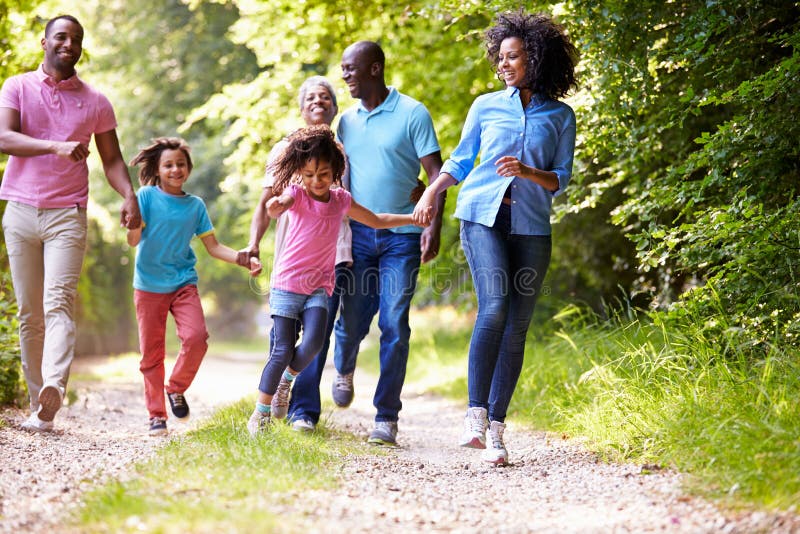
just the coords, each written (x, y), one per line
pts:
(383, 148)
(164, 259)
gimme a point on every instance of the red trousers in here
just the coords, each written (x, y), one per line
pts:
(151, 313)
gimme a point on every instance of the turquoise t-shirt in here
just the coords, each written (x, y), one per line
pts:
(383, 148)
(164, 259)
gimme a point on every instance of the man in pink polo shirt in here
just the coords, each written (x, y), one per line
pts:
(47, 118)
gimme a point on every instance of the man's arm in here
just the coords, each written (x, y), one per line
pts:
(15, 143)
(429, 241)
(117, 175)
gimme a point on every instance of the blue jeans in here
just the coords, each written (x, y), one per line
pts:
(287, 309)
(507, 272)
(383, 277)
(305, 400)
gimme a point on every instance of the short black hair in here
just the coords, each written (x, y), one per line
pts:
(52, 21)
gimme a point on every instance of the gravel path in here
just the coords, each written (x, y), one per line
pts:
(426, 484)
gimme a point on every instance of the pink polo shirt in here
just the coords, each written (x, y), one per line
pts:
(69, 110)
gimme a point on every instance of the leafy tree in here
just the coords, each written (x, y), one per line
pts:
(692, 118)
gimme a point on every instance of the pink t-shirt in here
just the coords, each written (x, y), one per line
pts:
(307, 260)
(69, 110)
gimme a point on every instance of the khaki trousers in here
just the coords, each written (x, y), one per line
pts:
(45, 252)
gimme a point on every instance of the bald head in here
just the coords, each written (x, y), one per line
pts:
(368, 51)
(362, 70)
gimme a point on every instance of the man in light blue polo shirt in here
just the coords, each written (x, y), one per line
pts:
(386, 137)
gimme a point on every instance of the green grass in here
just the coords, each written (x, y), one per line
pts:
(219, 479)
(638, 390)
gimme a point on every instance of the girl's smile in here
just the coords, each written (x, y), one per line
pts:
(317, 179)
(173, 171)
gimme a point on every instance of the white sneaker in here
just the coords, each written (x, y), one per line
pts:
(496, 453)
(303, 425)
(34, 424)
(50, 400)
(258, 423)
(474, 435)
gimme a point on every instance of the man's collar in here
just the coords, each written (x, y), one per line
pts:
(73, 82)
(387, 105)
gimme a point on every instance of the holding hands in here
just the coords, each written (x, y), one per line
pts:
(425, 210)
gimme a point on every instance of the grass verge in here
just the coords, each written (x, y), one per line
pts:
(636, 389)
(218, 479)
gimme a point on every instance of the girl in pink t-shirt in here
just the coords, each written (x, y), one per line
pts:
(304, 273)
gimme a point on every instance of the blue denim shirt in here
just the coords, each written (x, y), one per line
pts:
(542, 136)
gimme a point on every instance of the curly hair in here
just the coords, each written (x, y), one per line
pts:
(552, 57)
(149, 156)
(306, 144)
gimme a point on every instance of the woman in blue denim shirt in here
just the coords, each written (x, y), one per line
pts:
(526, 139)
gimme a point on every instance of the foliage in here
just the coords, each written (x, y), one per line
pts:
(692, 118)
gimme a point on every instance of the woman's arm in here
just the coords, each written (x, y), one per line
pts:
(511, 166)
(426, 208)
(258, 226)
(378, 220)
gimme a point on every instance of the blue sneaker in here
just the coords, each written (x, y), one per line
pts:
(177, 402)
(158, 426)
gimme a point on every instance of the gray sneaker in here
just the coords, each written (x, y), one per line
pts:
(303, 425)
(384, 433)
(280, 401)
(342, 390)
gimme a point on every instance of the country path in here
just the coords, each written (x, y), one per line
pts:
(427, 484)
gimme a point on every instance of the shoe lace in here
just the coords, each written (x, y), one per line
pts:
(496, 434)
(178, 400)
(282, 393)
(476, 424)
(344, 382)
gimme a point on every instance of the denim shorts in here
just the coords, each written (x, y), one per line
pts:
(292, 305)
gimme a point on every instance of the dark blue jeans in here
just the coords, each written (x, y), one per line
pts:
(383, 277)
(507, 272)
(305, 400)
(284, 353)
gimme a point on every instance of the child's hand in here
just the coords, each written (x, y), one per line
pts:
(255, 266)
(424, 210)
(277, 205)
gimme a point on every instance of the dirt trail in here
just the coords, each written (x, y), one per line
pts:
(426, 484)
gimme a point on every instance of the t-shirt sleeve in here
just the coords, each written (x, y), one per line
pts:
(143, 198)
(106, 120)
(204, 226)
(9, 94)
(422, 132)
(343, 199)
